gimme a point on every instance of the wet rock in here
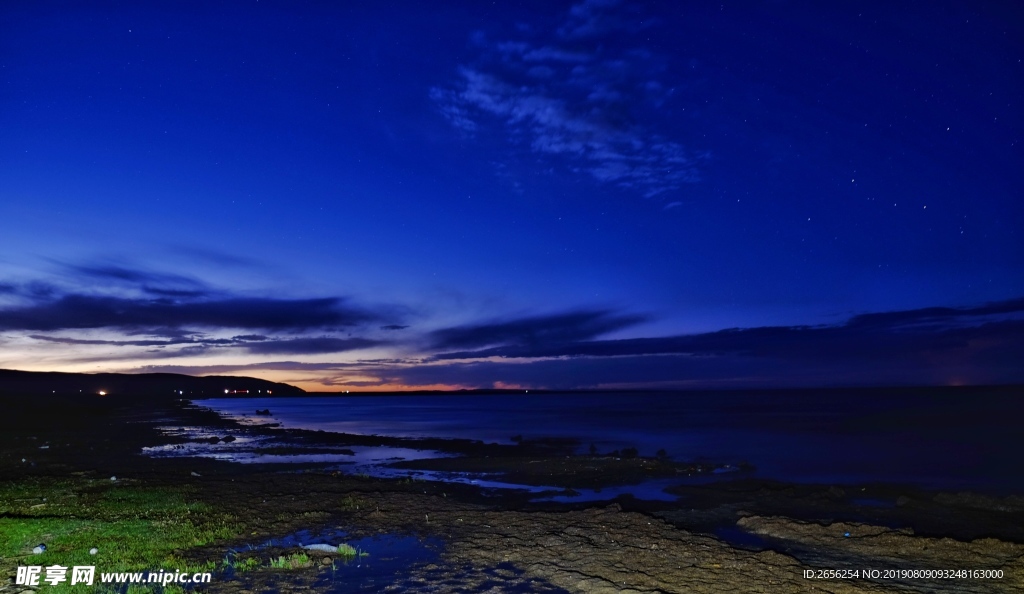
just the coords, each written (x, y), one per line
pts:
(606, 550)
(611, 550)
(843, 544)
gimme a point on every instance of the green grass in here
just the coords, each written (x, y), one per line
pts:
(246, 564)
(348, 551)
(135, 528)
(239, 565)
(293, 561)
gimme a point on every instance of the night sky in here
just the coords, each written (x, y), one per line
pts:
(601, 194)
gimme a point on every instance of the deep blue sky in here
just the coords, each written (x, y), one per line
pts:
(531, 194)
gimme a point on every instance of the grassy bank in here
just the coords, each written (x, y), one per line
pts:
(132, 527)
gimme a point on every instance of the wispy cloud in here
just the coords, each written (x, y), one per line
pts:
(572, 93)
(261, 366)
(146, 281)
(97, 342)
(260, 345)
(595, 18)
(534, 331)
(133, 275)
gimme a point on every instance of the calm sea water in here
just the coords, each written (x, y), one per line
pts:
(963, 440)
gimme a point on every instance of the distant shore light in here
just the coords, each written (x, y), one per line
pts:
(103, 393)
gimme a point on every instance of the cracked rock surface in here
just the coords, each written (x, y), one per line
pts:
(610, 550)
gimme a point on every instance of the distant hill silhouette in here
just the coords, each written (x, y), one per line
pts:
(143, 386)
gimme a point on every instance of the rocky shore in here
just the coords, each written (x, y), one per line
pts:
(739, 535)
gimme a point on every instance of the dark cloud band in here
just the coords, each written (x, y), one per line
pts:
(86, 311)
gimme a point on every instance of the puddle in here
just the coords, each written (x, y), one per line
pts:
(741, 539)
(367, 457)
(388, 558)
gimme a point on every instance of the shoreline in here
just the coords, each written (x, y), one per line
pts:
(766, 530)
(549, 463)
(888, 456)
